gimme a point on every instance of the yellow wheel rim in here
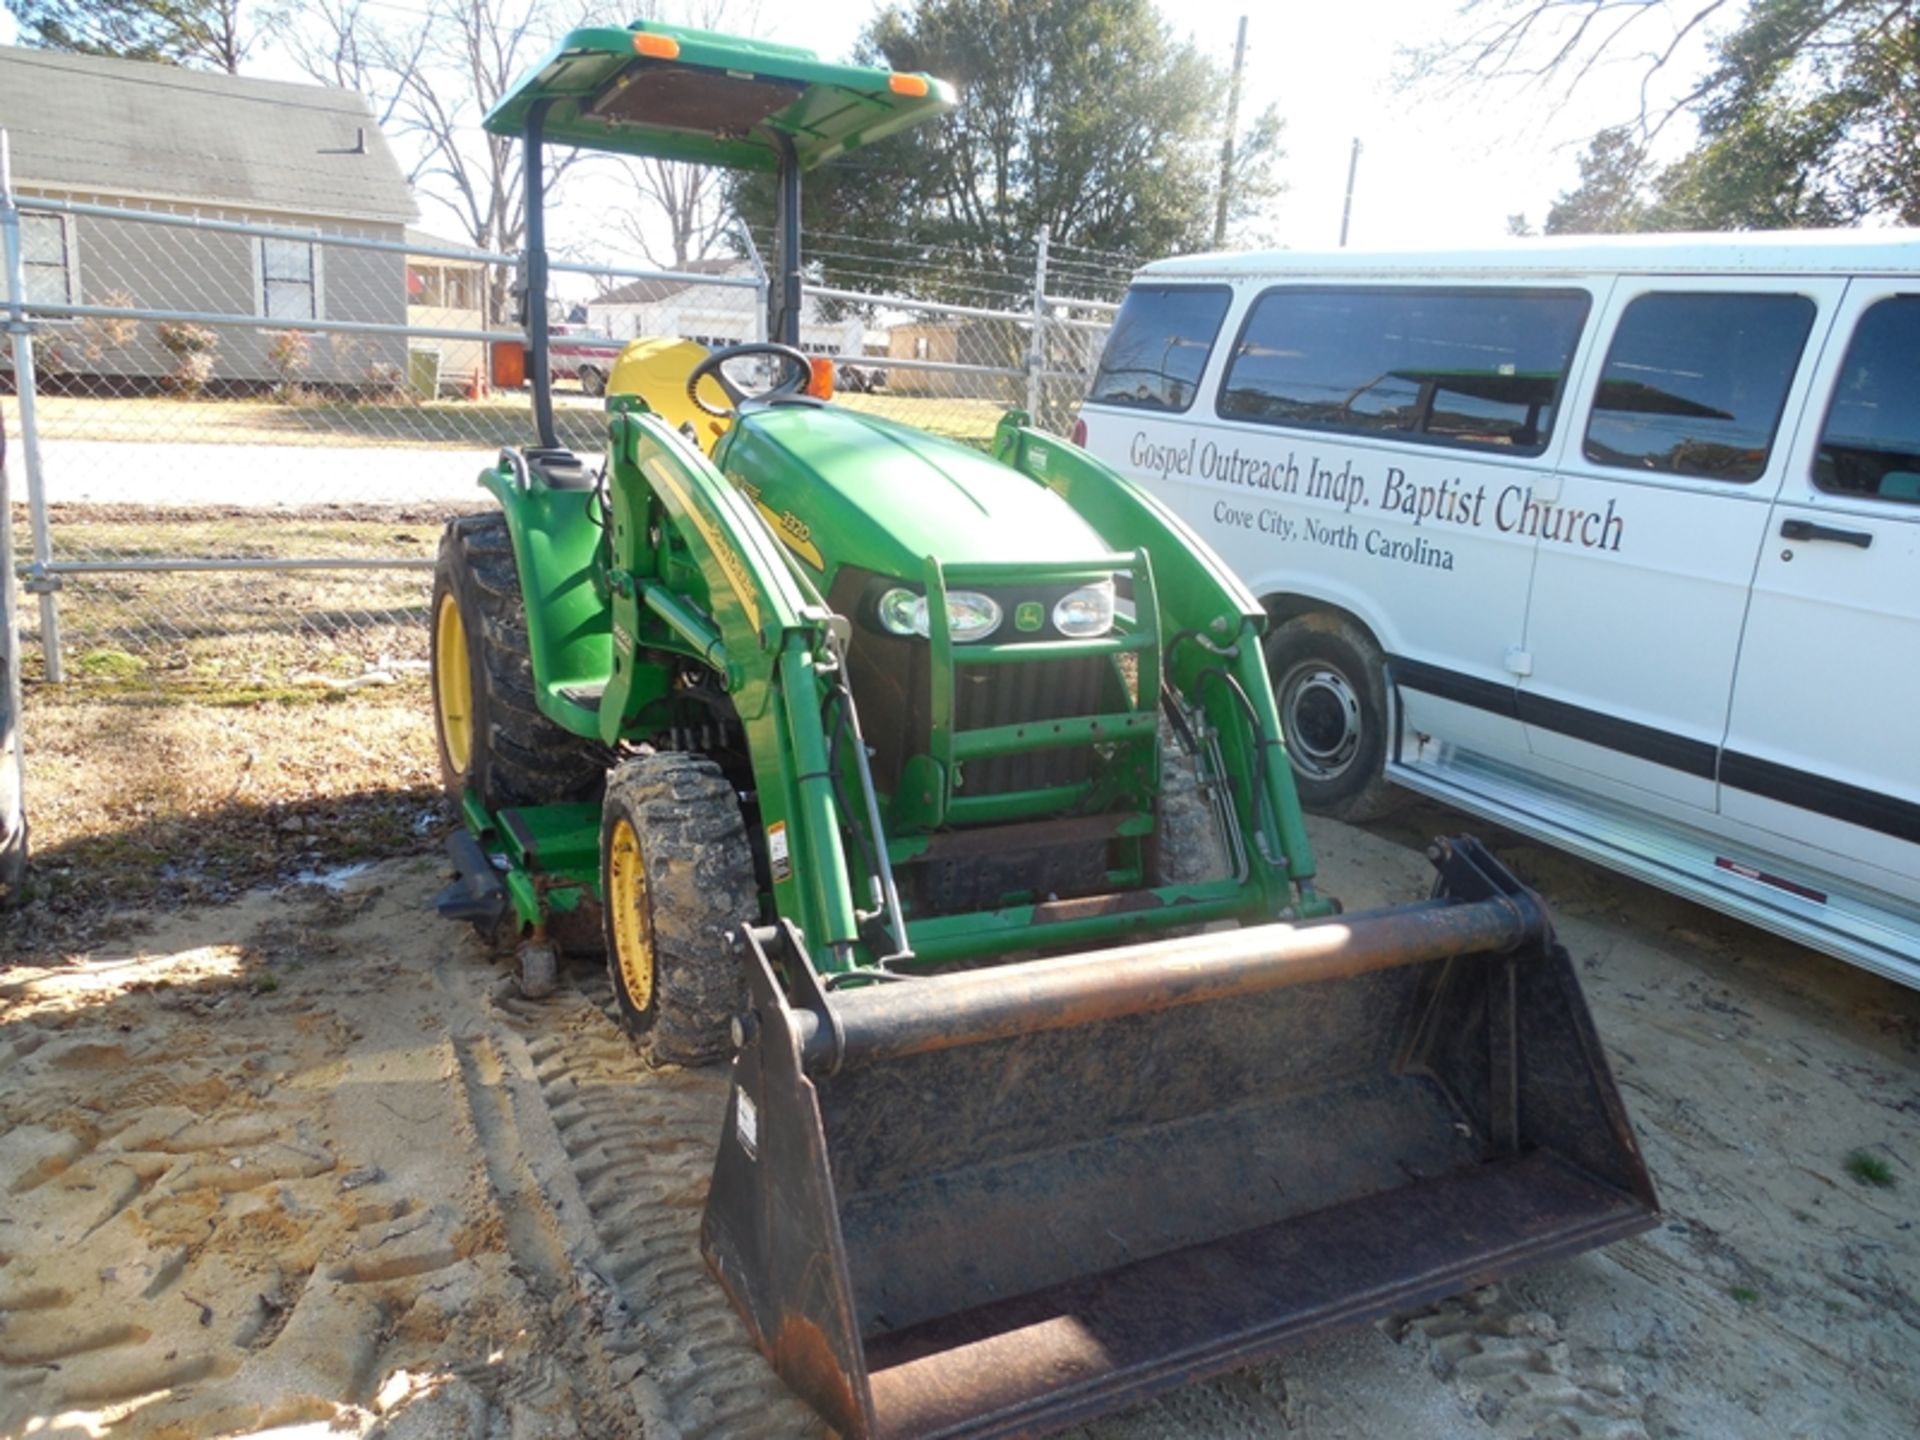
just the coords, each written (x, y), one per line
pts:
(627, 902)
(453, 684)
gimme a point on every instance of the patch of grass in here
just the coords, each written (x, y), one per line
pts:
(245, 636)
(109, 664)
(1745, 1294)
(143, 799)
(321, 420)
(501, 419)
(1869, 1169)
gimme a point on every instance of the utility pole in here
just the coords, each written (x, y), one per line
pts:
(1226, 146)
(1346, 210)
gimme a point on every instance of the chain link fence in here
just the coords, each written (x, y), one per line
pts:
(238, 440)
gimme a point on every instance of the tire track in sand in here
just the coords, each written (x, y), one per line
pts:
(639, 1146)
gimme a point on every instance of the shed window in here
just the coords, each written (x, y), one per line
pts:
(47, 248)
(289, 280)
(450, 287)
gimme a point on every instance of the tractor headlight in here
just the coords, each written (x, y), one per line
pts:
(1086, 612)
(970, 615)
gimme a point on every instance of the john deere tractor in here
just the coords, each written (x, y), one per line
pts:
(941, 793)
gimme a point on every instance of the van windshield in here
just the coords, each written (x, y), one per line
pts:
(1158, 347)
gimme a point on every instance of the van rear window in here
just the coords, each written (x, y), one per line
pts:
(1871, 443)
(1158, 347)
(1477, 369)
(1695, 383)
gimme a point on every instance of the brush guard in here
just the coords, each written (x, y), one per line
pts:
(1004, 1200)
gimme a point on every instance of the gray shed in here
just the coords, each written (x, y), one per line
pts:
(157, 137)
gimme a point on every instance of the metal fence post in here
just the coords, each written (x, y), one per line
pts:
(762, 292)
(13, 760)
(1037, 342)
(42, 580)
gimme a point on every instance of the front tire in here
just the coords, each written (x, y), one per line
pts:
(490, 733)
(1188, 848)
(676, 873)
(1329, 682)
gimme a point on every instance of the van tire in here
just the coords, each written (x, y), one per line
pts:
(1329, 682)
(592, 382)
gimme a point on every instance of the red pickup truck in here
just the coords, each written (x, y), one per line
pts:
(577, 353)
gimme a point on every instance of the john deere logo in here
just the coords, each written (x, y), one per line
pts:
(1029, 616)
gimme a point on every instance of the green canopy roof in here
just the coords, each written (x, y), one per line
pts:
(684, 94)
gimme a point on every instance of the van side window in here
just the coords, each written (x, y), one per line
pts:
(1478, 369)
(1159, 344)
(1694, 384)
(1871, 442)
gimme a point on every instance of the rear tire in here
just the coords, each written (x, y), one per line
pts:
(677, 875)
(488, 729)
(1329, 682)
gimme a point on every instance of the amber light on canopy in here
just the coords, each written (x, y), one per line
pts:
(914, 85)
(656, 47)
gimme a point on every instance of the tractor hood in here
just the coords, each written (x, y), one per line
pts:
(840, 487)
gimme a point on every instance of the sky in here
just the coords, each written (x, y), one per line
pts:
(1435, 170)
(1438, 170)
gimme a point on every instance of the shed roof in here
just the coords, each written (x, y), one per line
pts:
(647, 292)
(127, 127)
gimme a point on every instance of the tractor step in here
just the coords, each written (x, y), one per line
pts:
(553, 839)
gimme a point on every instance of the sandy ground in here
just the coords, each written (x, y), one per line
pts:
(304, 1165)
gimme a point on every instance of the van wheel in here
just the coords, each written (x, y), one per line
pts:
(592, 381)
(1329, 682)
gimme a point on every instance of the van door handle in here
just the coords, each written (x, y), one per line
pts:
(1807, 530)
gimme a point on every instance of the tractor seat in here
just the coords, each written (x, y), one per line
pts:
(561, 469)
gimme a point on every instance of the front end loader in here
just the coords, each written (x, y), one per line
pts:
(942, 793)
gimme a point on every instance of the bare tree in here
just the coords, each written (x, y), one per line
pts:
(204, 34)
(684, 215)
(342, 43)
(431, 86)
(1805, 108)
(1555, 46)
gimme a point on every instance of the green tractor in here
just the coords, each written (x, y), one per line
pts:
(942, 793)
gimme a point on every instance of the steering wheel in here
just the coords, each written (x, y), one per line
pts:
(798, 371)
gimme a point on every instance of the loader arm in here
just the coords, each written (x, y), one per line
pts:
(765, 634)
(1213, 627)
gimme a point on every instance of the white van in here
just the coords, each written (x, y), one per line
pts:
(1614, 542)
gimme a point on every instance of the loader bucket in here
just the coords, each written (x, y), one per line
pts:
(1001, 1201)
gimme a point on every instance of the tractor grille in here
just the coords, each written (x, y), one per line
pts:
(890, 677)
(1019, 694)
